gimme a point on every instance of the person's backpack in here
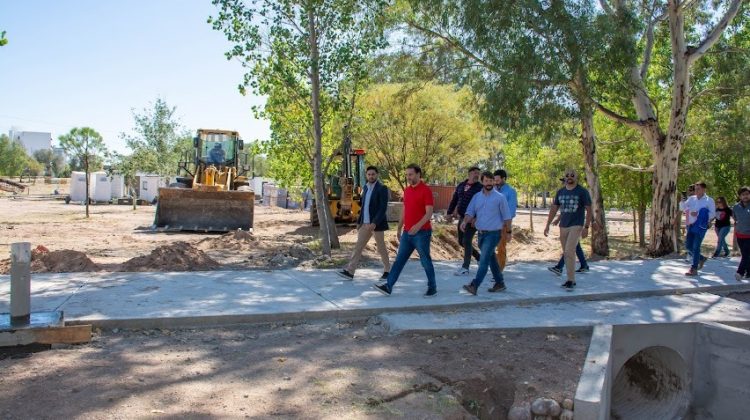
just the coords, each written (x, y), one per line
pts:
(701, 223)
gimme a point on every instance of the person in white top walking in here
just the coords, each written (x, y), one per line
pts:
(700, 209)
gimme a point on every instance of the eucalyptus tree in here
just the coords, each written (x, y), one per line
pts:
(531, 64)
(692, 28)
(308, 52)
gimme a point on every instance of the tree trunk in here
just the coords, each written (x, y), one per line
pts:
(599, 241)
(635, 225)
(531, 219)
(642, 225)
(86, 167)
(664, 199)
(320, 196)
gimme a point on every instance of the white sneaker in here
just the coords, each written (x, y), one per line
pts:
(462, 272)
(738, 276)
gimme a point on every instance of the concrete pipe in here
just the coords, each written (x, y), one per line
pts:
(653, 384)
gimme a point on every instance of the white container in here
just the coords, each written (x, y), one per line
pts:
(148, 187)
(101, 188)
(118, 186)
(78, 186)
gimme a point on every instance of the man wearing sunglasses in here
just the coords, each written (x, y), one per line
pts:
(574, 203)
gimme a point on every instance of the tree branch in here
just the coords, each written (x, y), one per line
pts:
(636, 124)
(629, 167)
(715, 33)
(455, 44)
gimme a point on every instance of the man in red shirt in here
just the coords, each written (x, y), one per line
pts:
(417, 231)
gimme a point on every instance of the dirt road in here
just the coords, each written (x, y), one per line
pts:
(321, 370)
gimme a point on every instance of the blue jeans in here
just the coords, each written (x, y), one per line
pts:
(420, 242)
(693, 245)
(579, 253)
(722, 243)
(487, 244)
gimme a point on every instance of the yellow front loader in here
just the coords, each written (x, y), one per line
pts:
(214, 195)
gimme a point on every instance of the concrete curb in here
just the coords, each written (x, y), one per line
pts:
(337, 314)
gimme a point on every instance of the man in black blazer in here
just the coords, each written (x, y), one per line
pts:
(372, 222)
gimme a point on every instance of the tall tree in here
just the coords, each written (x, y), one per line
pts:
(3, 39)
(530, 62)
(86, 144)
(665, 138)
(436, 126)
(158, 141)
(13, 158)
(312, 49)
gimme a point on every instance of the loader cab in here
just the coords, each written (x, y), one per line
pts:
(217, 147)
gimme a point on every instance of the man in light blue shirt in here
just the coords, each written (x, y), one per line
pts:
(510, 194)
(490, 213)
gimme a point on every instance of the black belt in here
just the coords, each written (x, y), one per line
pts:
(487, 231)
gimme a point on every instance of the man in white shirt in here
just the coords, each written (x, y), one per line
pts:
(700, 210)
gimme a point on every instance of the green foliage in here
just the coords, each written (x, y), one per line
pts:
(435, 126)
(3, 39)
(535, 161)
(86, 145)
(272, 40)
(158, 142)
(14, 159)
(52, 164)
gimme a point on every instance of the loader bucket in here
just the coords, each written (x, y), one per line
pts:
(185, 209)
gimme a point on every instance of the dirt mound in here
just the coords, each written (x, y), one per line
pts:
(239, 240)
(62, 261)
(179, 256)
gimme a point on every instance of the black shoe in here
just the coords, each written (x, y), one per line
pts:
(384, 276)
(431, 293)
(382, 288)
(583, 270)
(557, 270)
(471, 289)
(568, 285)
(498, 287)
(346, 275)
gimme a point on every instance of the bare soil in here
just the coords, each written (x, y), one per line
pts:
(319, 370)
(118, 238)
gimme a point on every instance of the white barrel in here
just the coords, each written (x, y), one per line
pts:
(78, 186)
(118, 186)
(101, 189)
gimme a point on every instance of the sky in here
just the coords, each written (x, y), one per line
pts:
(91, 63)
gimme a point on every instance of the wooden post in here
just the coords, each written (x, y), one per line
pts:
(20, 283)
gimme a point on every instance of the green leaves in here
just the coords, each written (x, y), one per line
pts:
(13, 157)
(86, 145)
(158, 141)
(3, 40)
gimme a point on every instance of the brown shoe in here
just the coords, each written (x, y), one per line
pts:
(471, 289)
(692, 272)
(497, 287)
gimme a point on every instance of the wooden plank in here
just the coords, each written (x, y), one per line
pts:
(74, 334)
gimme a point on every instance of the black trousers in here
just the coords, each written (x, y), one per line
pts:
(744, 267)
(466, 240)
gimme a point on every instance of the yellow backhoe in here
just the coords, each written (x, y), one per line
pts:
(213, 194)
(345, 189)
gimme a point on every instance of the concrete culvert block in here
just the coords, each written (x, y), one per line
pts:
(653, 384)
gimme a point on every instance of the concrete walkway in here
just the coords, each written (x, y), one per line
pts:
(190, 298)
